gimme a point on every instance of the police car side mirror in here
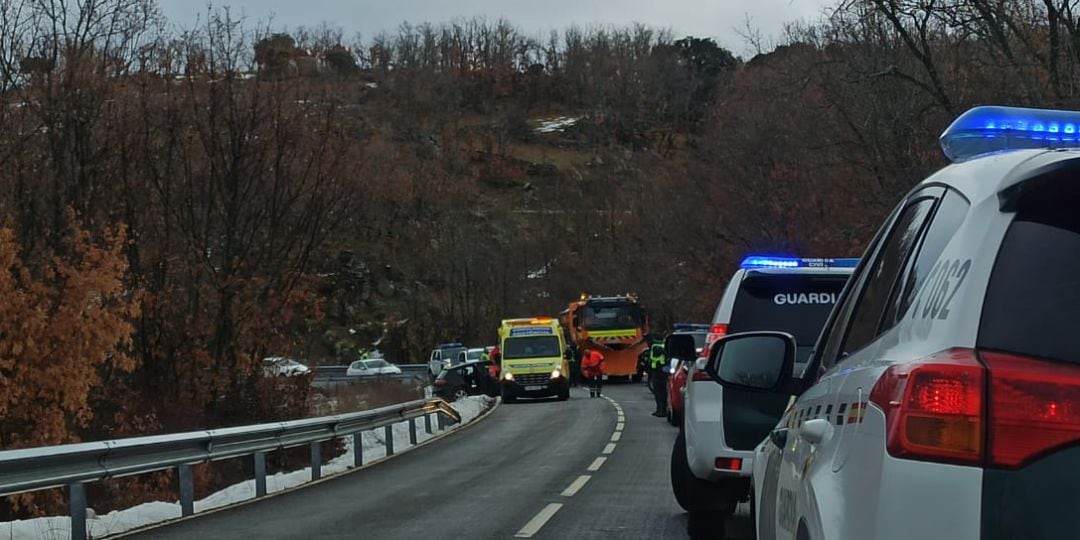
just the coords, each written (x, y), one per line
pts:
(757, 361)
(680, 346)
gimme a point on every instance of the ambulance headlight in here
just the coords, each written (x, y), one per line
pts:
(556, 373)
(507, 376)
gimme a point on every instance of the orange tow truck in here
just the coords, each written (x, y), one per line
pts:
(617, 324)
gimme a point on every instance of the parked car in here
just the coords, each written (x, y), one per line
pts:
(441, 355)
(469, 355)
(277, 366)
(943, 396)
(375, 366)
(712, 456)
(468, 379)
(680, 369)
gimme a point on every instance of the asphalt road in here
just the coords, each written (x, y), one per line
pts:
(519, 472)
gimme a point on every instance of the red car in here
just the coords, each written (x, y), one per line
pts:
(680, 371)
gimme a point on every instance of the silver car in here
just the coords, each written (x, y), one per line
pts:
(373, 367)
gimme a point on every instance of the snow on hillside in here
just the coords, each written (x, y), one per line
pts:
(557, 124)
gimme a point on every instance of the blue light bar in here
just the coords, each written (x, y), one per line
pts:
(984, 130)
(769, 262)
(756, 261)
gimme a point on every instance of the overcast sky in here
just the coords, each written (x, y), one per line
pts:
(719, 19)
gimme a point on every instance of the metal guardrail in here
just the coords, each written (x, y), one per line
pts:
(73, 465)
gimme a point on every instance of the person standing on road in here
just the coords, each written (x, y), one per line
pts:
(643, 357)
(592, 369)
(658, 375)
(496, 358)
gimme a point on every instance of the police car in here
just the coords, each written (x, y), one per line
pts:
(943, 397)
(442, 356)
(712, 456)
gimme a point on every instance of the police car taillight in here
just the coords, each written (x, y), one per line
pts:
(1034, 407)
(980, 408)
(934, 409)
(717, 331)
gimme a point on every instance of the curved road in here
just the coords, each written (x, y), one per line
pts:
(520, 472)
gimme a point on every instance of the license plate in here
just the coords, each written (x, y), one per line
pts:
(534, 388)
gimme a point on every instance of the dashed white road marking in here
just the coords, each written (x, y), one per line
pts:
(537, 522)
(576, 486)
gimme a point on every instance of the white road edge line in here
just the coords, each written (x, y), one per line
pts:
(609, 448)
(596, 464)
(616, 436)
(576, 486)
(537, 522)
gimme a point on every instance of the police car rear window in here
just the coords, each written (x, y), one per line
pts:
(1033, 302)
(796, 304)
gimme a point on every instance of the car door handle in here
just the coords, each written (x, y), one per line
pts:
(779, 437)
(815, 431)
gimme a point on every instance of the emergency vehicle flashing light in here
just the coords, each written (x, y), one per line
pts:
(756, 261)
(989, 129)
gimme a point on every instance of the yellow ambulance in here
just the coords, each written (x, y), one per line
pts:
(534, 359)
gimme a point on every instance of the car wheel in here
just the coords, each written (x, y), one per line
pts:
(680, 472)
(460, 393)
(564, 394)
(692, 493)
(705, 525)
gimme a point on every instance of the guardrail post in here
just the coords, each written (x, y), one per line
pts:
(358, 449)
(316, 461)
(260, 473)
(187, 490)
(412, 431)
(77, 510)
(442, 422)
(389, 439)
(427, 423)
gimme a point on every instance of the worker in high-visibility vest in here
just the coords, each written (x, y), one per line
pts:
(592, 369)
(658, 373)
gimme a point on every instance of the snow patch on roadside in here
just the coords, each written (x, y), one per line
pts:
(557, 124)
(116, 522)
